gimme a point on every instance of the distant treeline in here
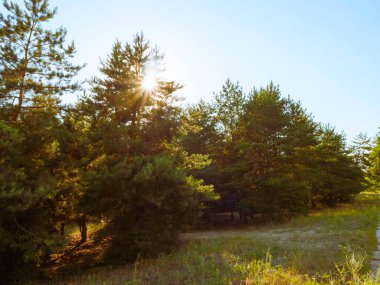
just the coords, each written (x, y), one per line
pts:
(135, 158)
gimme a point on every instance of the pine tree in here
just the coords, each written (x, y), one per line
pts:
(361, 148)
(139, 175)
(213, 133)
(261, 137)
(229, 104)
(35, 62)
(373, 175)
(336, 176)
(35, 69)
(201, 130)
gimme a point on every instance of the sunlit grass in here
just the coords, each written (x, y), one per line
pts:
(322, 248)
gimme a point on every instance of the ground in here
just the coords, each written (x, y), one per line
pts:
(328, 244)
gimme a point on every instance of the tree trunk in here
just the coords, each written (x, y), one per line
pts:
(24, 72)
(20, 100)
(82, 223)
(62, 229)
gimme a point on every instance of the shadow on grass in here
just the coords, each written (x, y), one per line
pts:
(311, 244)
(78, 257)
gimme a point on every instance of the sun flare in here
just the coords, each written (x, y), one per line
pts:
(151, 76)
(149, 82)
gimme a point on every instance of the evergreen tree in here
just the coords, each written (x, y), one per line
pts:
(337, 177)
(139, 175)
(35, 68)
(201, 131)
(361, 149)
(213, 132)
(272, 130)
(31, 179)
(35, 62)
(269, 156)
(229, 104)
(373, 176)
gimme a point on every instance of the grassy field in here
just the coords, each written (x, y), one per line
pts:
(330, 246)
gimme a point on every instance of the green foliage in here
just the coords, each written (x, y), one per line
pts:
(373, 176)
(275, 134)
(337, 178)
(229, 105)
(200, 134)
(130, 155)
(148, 201)
(269, 156)
(361, 148)
(137, 174)
(35, 69)
(29, 182)
(35, 64)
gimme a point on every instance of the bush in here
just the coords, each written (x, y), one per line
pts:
(147, 200)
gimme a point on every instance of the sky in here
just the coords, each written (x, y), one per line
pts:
(325, 54)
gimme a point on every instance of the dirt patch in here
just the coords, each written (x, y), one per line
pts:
(79, 257)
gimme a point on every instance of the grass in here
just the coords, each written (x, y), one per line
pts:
(330, 246)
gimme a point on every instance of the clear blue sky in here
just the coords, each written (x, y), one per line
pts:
(324, 53)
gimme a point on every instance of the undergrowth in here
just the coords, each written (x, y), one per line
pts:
(330, 246)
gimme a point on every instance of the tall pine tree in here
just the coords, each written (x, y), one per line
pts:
(35, 62)
(139, 175)
(35, 68)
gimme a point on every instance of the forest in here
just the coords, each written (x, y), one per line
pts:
(131, 155)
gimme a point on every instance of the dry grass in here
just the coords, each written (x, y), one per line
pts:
(331, 245)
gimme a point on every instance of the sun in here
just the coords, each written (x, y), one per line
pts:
(151, 76)
(149, 82)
